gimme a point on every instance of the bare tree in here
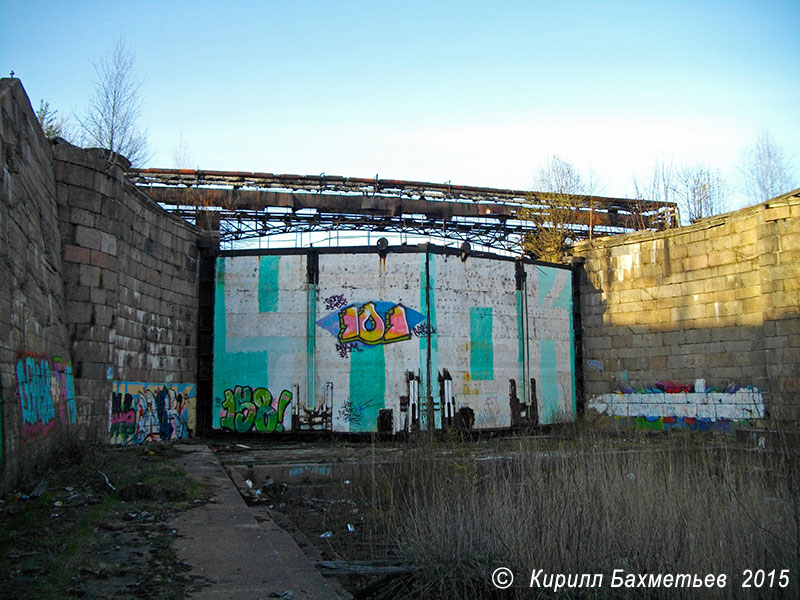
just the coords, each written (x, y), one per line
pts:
(766, 169)
(111, 119)
(658, 186)
(562, 192)
(181, 156)
(52, 124)
(700, 192)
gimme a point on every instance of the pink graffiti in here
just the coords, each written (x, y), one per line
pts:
(128, 417)
(365, 324)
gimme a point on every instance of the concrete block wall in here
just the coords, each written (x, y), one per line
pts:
(131, 273)
(37, 398)
(718, 300)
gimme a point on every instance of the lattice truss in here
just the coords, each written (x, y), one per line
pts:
(244, 206)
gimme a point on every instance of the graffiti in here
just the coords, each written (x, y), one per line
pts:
(123, 418)
(310, 470)
(667, 423)
(353, 412)
(344, 350)
(65, 387)
(671, 387)
(594, 365)
(371, 323)
(365, 324)
(423, 330)
(490, 414)
(334, 302)
(45, 392)
(742, 405)
(35, 387)
(246, 409)
(144, 412)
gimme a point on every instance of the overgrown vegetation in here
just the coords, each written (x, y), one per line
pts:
(671, 504)
(72, 535)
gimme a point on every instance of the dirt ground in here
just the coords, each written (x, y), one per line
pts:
(95, 526)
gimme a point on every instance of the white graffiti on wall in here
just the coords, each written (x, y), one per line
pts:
(714, 406)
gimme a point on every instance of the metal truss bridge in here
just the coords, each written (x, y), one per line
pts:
(253, 205)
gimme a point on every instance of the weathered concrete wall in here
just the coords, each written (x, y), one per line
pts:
(37, 398)
(718, 300)
(335, 340)
(130, 271)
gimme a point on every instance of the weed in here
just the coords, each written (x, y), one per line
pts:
(677, 503)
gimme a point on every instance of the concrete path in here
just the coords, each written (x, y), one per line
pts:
(230, 552)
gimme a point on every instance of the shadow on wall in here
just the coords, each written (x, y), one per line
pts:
(634, 351)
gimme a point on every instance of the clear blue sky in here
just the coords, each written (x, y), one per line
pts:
(477, 93)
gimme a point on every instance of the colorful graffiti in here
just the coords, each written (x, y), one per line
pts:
(666, 423)
(44, 392)
(372, 323)
(355, 412)
(246, 409)
(677, 409)
(149, 412)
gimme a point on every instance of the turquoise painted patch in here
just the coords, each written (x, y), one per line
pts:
(564, 298)
(549, 382)
(481, 349)
(268, 269)
(231, 368)
(367, 388)
(546, 278)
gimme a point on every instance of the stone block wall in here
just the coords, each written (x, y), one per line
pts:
(718, 300)
(37, 398)
(131, 274)
(98, 307)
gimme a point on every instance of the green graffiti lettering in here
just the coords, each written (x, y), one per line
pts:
(245, 409)
(229, 406)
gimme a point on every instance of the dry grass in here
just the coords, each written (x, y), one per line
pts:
(686, 505)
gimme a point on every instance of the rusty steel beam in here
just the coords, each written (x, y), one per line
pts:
(256, 200)
(248, 205)
(335, 183)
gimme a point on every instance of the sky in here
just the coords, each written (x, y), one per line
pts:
(474, 93)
